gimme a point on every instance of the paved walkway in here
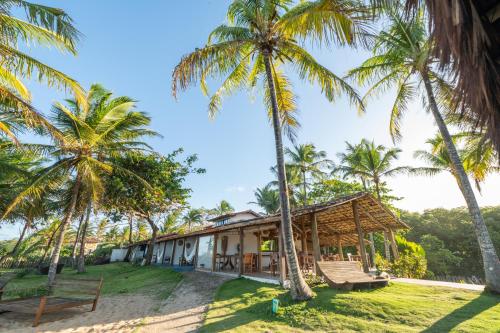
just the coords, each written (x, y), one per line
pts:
(184, 310)
(476, 287)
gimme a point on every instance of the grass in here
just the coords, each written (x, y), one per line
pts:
(119, 278)
(245, 306)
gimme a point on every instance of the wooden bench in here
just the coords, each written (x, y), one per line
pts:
(348, 275)
(65, 293)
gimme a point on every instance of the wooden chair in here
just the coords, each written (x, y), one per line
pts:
(65, 293)
(273, 263)
(249, 262)
(4, 279)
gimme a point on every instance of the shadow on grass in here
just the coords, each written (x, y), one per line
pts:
(466, 312)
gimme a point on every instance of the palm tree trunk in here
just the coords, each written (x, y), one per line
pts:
(491, 262)
(13, 253)
(305, 187)
(149, 253)
(130, 238)
(64, 224)
(73, 251)
(387, 249)
(299, 289)
(81, 256)
(49, 243)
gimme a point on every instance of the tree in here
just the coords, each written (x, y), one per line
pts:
(164, 194)
(260, 37)
(309, 162)
(194, 217)
(90, 138)
(268, 199)
(371, 163)
(222, 208)
(43, 26)
(402, 58)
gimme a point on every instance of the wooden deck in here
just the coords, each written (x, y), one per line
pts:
(348, 275)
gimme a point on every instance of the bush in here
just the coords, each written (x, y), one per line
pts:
(382, 264)
(410, 265)
(313, 280)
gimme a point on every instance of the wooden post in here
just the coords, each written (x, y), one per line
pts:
(242, 241)
(281, 260)
(195, 260)
(361, 236)
(339, 247)
(315, 241)
(394, 246)
(183, 251)
(259, 253)
(173, 253)
(39, 311)
(214, 252)
(163, 256)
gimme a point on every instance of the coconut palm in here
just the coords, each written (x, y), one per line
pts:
(371, 164)
(41, 25)
(267, 198)
(309, 162)
(439, 161)
(222, 208)
(194, 216)
(260, 37)
(109, 127)
(402, 58)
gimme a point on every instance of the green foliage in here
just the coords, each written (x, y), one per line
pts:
(103, 250)
(245, 306)
(453, 227)
(409, 265)
(438, 257)
(407, 246)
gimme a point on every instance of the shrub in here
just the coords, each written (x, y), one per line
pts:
(313, 280)
(410, 265)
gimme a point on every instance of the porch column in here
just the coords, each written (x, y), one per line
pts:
(242, 266)
(195, 260)
(172, 259)
(183, 251)
(386, 246)
(164, 250)
(394, 246)
(315, 241)
(214, 252)
(361, 236)
(339, 247)
(281, 260)
(259, 253)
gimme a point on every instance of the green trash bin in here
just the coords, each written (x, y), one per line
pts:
(276, 305)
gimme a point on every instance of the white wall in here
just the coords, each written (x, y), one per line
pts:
(118, 254)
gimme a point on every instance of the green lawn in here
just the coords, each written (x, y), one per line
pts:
(119, 278)
(245, 306)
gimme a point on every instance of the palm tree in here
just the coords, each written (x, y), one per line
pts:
(108, 128)
(42, 25)
(222, 208)
(402, 58)
(439, 161)
(260, 37)
(308, 161)
(268, 199)
(194, 216)
(371, 163)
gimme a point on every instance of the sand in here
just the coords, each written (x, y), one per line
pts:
(183, 311)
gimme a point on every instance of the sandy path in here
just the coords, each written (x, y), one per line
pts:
(475, 287)
(184, 310)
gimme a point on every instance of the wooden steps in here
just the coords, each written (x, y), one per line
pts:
(348, 275)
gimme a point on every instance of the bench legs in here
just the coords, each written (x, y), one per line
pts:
(39, 311)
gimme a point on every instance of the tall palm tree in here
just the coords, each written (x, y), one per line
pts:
(194, 216)
(110, 126)
(371, 163)
(260, 37)
(439, 161)
(309, 162)
(268, 199)
(41, 25)
(223, 207)
(402, 58)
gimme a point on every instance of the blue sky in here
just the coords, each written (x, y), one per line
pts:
(131, 47)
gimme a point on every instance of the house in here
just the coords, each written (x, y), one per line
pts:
(248, 244)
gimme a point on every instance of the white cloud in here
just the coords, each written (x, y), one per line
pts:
(235, 189)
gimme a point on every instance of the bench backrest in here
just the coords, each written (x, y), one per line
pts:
(76, 287)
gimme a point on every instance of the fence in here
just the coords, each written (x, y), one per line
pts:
(35, 262)
(459, 279)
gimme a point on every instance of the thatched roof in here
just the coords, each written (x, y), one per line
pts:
(467, 37)
(333, 218)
